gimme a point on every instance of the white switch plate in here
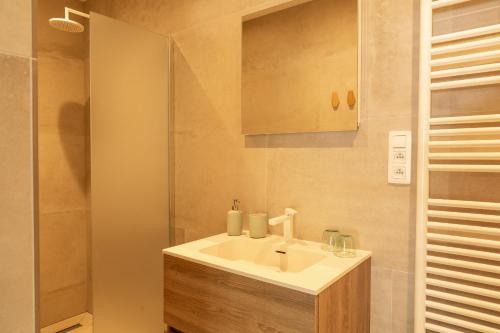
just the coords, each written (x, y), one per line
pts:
(399, 168)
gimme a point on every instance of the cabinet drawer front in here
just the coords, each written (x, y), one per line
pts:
(201, 299)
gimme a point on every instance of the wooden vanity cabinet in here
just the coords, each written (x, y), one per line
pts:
(202, 299)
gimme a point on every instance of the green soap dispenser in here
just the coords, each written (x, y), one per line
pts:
(235, 219)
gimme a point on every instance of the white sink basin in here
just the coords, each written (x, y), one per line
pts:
(304, 266)
(262, 252)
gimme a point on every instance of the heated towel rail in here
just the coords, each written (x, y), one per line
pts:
(457, 276)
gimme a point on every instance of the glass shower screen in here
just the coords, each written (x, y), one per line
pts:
(129, 175)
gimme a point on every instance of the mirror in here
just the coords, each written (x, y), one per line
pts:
(300, 69)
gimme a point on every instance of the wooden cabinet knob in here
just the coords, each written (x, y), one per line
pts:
(351, 99)
(335, 100)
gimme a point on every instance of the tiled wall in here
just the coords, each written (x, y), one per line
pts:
(332, 179)
(63, 165)
(17, 261)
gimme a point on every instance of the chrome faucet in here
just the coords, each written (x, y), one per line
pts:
(287, 221)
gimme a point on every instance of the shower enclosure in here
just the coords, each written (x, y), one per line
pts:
(104, 162)
(129, 183)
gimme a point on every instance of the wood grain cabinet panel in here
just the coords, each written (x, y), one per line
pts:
(202, 299)
(344, 307)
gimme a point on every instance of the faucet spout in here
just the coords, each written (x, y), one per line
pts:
(278, 220)
(287, 220)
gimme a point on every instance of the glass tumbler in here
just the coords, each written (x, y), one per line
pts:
(330, 239)
(346, 247)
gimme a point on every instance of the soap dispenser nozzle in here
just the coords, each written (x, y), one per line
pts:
(236, 204)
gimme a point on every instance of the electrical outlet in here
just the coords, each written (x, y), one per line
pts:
(399, 169)
(399, 172)
(399, 156)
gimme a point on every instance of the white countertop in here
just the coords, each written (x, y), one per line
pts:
(311, 280)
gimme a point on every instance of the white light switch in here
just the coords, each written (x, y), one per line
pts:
(399, 170)
(399, 141)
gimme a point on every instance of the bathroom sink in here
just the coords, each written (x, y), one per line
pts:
(302, 265)
(263, 252)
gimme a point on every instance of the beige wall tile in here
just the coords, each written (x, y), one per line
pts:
(460, 186)
(390, 46)
(62, 170)
(381, 300)
(472, 15)
(63, 265)
(15, 27)
(171, 16)
(16, 196)
(63, 261)
(211, 165)
(165, 16)
(63, 303)
(346, 187)
(402, 302)
(61, 94)
(479, 100)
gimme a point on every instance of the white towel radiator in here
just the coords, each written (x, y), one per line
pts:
(457, 274)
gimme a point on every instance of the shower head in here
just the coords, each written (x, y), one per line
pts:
(66, 24)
